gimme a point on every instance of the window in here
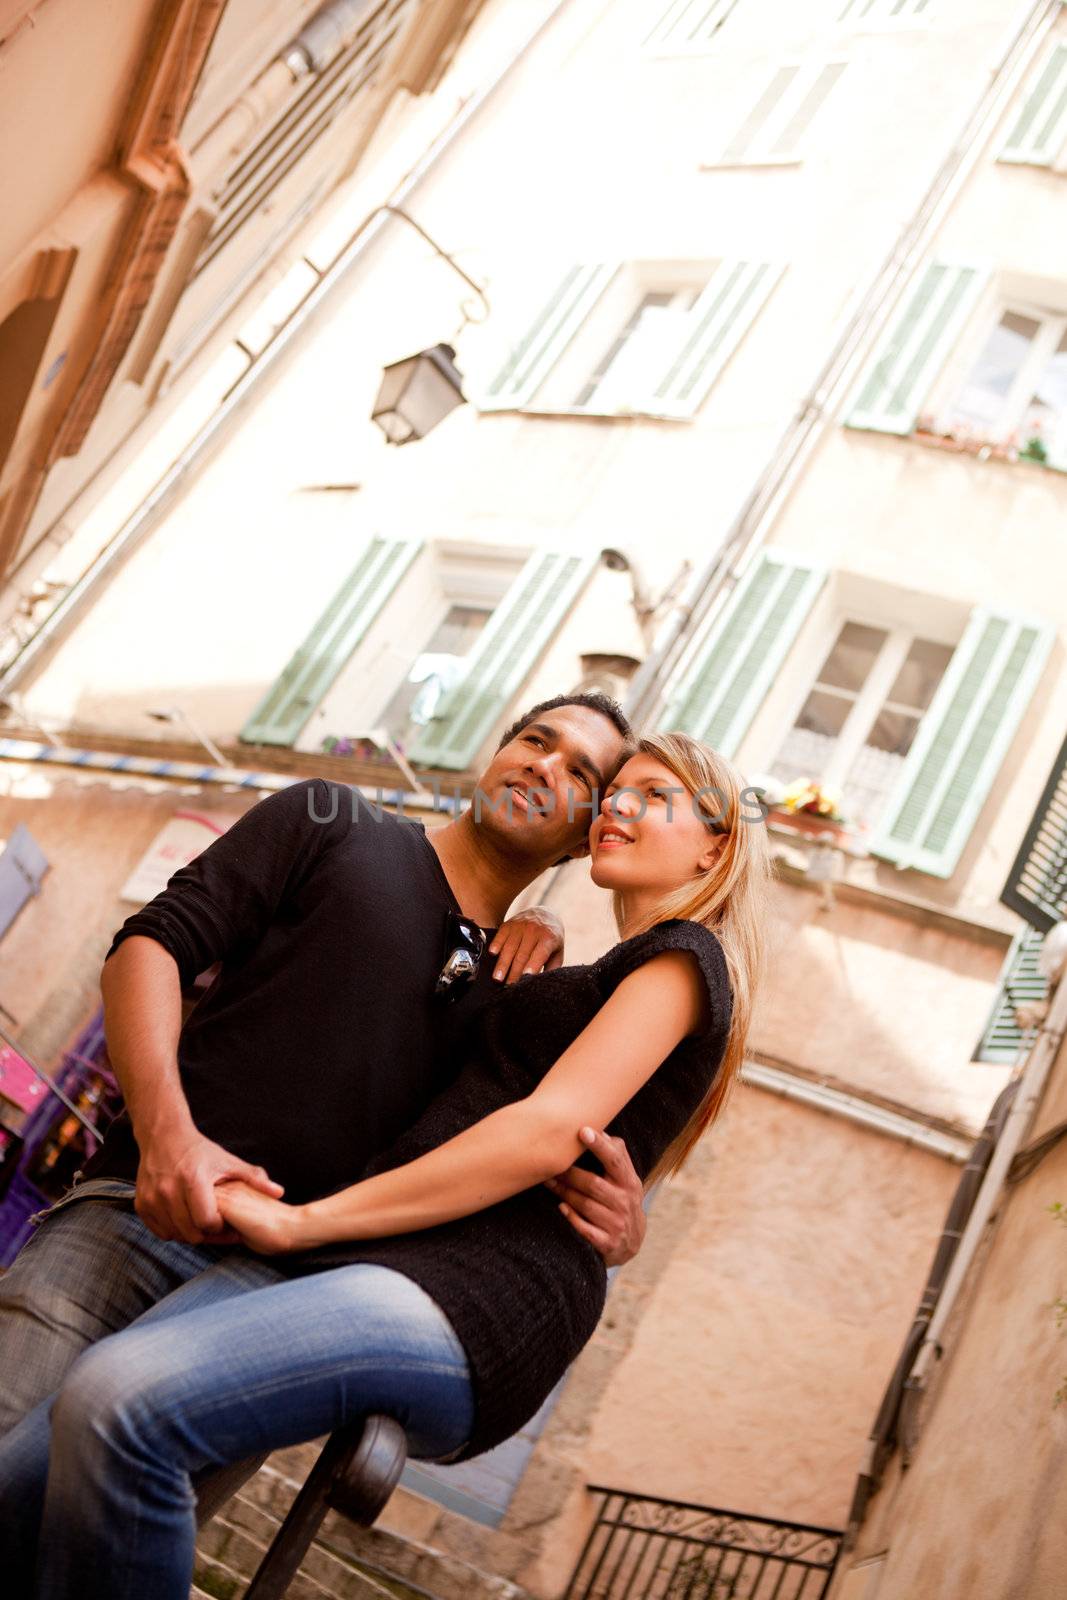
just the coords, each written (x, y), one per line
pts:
(876, 13)
(436, 669)
(413, 652)
(775, 128)
(501, 658)
(1039, 133)
(644, 337)
(687, 25)
(860, 717)
(885, 703)
(1017, 386)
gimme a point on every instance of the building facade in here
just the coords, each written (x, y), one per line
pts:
(169, 155)
(766, 433)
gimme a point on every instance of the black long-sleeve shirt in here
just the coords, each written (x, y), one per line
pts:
(320, 1040)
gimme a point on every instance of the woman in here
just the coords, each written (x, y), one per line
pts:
(445, 1287)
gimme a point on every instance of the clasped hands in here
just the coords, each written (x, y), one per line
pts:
(605, 1210)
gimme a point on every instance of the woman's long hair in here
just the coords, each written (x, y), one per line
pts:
(730, 898)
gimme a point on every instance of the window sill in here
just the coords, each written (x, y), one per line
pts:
(816, 830)
(582, 413)
(755, 162)
(1057, 171)
(981, 449)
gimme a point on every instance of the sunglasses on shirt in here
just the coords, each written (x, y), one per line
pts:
(465, 946)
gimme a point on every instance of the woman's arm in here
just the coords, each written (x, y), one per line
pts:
(513, 1148)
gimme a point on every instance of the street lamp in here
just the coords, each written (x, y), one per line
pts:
(176, 714)
(418, 393)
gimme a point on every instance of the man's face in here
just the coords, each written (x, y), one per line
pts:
(540, 792)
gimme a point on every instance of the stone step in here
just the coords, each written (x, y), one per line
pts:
(239, 1539)
(216, 1580)
(346, 1562)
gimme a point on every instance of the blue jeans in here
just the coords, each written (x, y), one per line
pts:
(96, 1482)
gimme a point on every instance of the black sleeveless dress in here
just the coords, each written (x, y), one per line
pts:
(521, 1288)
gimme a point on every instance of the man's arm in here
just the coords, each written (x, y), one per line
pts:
(221, 901)
(179, 1167)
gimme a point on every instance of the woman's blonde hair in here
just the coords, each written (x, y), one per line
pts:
(729, 898)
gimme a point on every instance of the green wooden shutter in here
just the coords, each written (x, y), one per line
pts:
(293, 696)
(961, 742)
(1020, 984)
(748, 642)
(1037, 883)
(548, 336)
(1038, 134)
(914, 349)
(516, 636)
(715, 326)
(688, 25)
(881, 10)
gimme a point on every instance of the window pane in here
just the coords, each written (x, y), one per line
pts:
(893, 731)
(924, 667)
(457, 633)
(802, 118)
(766, 103)
(824, 713)
(1046, 415)
(651, 302)
(852, 657)
(434, 670)
(981, 401)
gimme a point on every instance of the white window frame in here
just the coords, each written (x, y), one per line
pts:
(663, 44)
(881, 20)
(871, 698)
(1053, 328)
(759, 152)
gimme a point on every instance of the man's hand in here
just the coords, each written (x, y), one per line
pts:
(176, 1187)
(529, 942)
(606, 1211)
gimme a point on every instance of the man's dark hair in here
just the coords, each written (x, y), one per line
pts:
(592, 702)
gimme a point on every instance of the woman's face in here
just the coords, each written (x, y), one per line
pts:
(649, 837)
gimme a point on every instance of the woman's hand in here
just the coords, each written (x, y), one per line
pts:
(531, 941)
(269, 1227)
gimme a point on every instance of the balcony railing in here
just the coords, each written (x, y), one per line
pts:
(644, 1548)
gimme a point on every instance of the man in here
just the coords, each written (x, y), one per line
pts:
(323, 1036)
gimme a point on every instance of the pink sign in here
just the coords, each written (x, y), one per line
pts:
(18, 1081)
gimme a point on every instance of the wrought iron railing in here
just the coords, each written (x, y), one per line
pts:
(644, 1548)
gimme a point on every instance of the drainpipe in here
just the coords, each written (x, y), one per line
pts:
(817, 410)
(266, 366)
